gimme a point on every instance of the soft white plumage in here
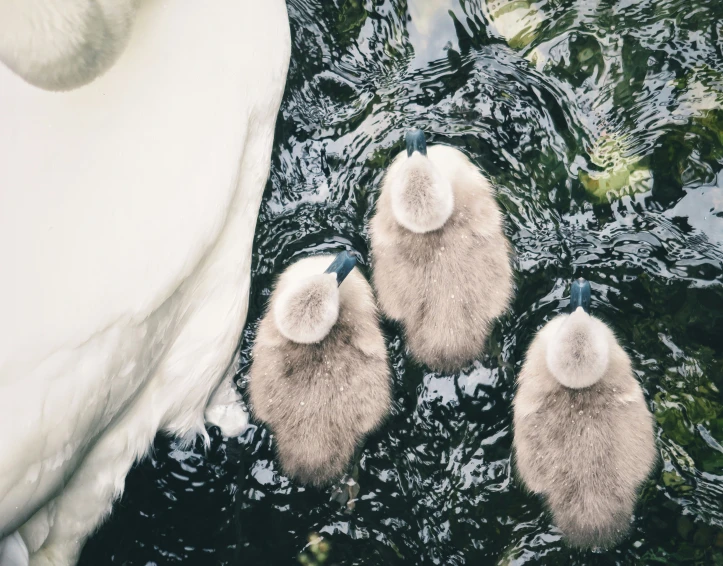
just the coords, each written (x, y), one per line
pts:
(13, 551)
(127, 214)
(63, 45)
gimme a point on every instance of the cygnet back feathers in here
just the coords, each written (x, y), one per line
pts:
(583, 434)
(441, 259)
(320, 384)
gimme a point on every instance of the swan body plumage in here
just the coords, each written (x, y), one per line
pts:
(64, 45)
(127, 213)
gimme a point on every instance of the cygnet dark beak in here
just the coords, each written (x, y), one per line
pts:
(342, 265)
(416, 142)
(580, 295)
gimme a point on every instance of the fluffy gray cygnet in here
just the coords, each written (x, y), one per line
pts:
(583, 434)
(441, 259)
(320, 375)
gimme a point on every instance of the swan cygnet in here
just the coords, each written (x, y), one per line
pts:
(583, 434)
(441, 259)
(320, 376)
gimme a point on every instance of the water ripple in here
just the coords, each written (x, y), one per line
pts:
(601, 126)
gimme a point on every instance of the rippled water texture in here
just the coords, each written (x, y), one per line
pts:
(601, 123)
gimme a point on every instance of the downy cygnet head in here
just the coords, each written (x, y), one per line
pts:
(307, 309)
(578, 352)
(422, 197)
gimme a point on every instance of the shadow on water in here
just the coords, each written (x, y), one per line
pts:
(601, 124)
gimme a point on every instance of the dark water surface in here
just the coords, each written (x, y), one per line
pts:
(601, 123)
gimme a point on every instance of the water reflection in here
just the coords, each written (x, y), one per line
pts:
(602, 126)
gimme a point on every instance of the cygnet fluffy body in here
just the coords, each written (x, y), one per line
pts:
(320, 376)
(583, 433)
(441, 259)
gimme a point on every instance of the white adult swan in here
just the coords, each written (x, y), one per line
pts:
(127, 213)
